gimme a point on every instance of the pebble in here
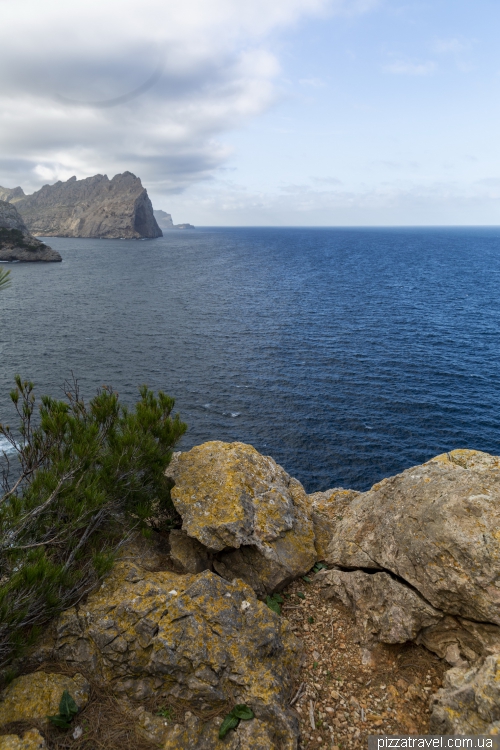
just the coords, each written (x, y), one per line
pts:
(354, 696)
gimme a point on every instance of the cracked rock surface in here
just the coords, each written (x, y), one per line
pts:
(385, 610)
(469, 702)
(434, 526)
(199, 639)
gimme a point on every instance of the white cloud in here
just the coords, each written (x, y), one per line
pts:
(395, 202)
(452, 46)
(411, 69)
(92, 86)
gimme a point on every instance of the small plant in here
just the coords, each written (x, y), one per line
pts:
(306, 579)
(67, 710)
(274, 602)
(231, 721)
(310, 620)
(319, 566)
(315, 664)
(4, 279)
(301, 595)
(87, 476)
(166, 712)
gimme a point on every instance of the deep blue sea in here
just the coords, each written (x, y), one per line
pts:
(346, 354)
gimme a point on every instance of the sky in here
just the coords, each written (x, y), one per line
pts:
(290, 112)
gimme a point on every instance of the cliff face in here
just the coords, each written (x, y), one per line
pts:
(94, 207)
(16, 243)
(164, 220)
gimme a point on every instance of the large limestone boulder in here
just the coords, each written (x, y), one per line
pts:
(469, 702)
(436, 527)
(36, 696)
(247, 509)
(202, 640)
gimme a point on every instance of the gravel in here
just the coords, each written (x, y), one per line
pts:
(351, 692)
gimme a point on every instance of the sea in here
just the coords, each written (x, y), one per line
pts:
(346, 354)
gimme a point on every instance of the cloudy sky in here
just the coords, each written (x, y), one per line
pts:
(292, 112)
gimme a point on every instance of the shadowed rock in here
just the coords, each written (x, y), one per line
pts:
(16, 243)
(469, 702)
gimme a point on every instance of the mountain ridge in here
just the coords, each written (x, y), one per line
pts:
(96, 207)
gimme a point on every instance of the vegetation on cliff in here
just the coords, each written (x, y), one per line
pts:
(89, 475)
(4, 279)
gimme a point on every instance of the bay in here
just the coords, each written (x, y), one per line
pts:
(346, 354)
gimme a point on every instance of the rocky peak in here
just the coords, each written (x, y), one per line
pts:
(93, 207)
(11, 195)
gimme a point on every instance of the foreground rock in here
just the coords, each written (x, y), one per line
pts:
(31, 740)
(434, 526)
(36, 696)
(197, 638)
(385, 610)
(94, 207)
(469, 702)
(247, 511)
(16, 243)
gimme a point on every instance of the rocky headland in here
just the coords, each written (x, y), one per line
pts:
(94, 207)
(16, 242)
(191, 626)
(165, 221)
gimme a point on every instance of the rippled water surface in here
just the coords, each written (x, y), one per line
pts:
(346, 354)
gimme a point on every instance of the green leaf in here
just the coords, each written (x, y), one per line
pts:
(242, 711)
(306, 579)
(319, 566)
(273, 604)
(230, 722)
(67, 706)
(301, 595)
(59, 721)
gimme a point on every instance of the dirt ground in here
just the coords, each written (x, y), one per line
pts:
(344, 698)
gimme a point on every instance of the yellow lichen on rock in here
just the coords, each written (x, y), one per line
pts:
(201, 639)
(468, 459)
(31, 740)
(228, 494)
(37, 696)
(246, 507)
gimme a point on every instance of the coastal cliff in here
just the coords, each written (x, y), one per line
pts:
(16, 243)
(165, 221)
(94, 207)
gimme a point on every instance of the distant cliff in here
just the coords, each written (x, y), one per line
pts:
(94, 207)
(165, 221)
(16, 243)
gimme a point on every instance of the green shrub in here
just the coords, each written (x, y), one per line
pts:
(14, 237)
(89, 476)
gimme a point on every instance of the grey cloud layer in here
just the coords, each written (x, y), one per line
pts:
(164, 79)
